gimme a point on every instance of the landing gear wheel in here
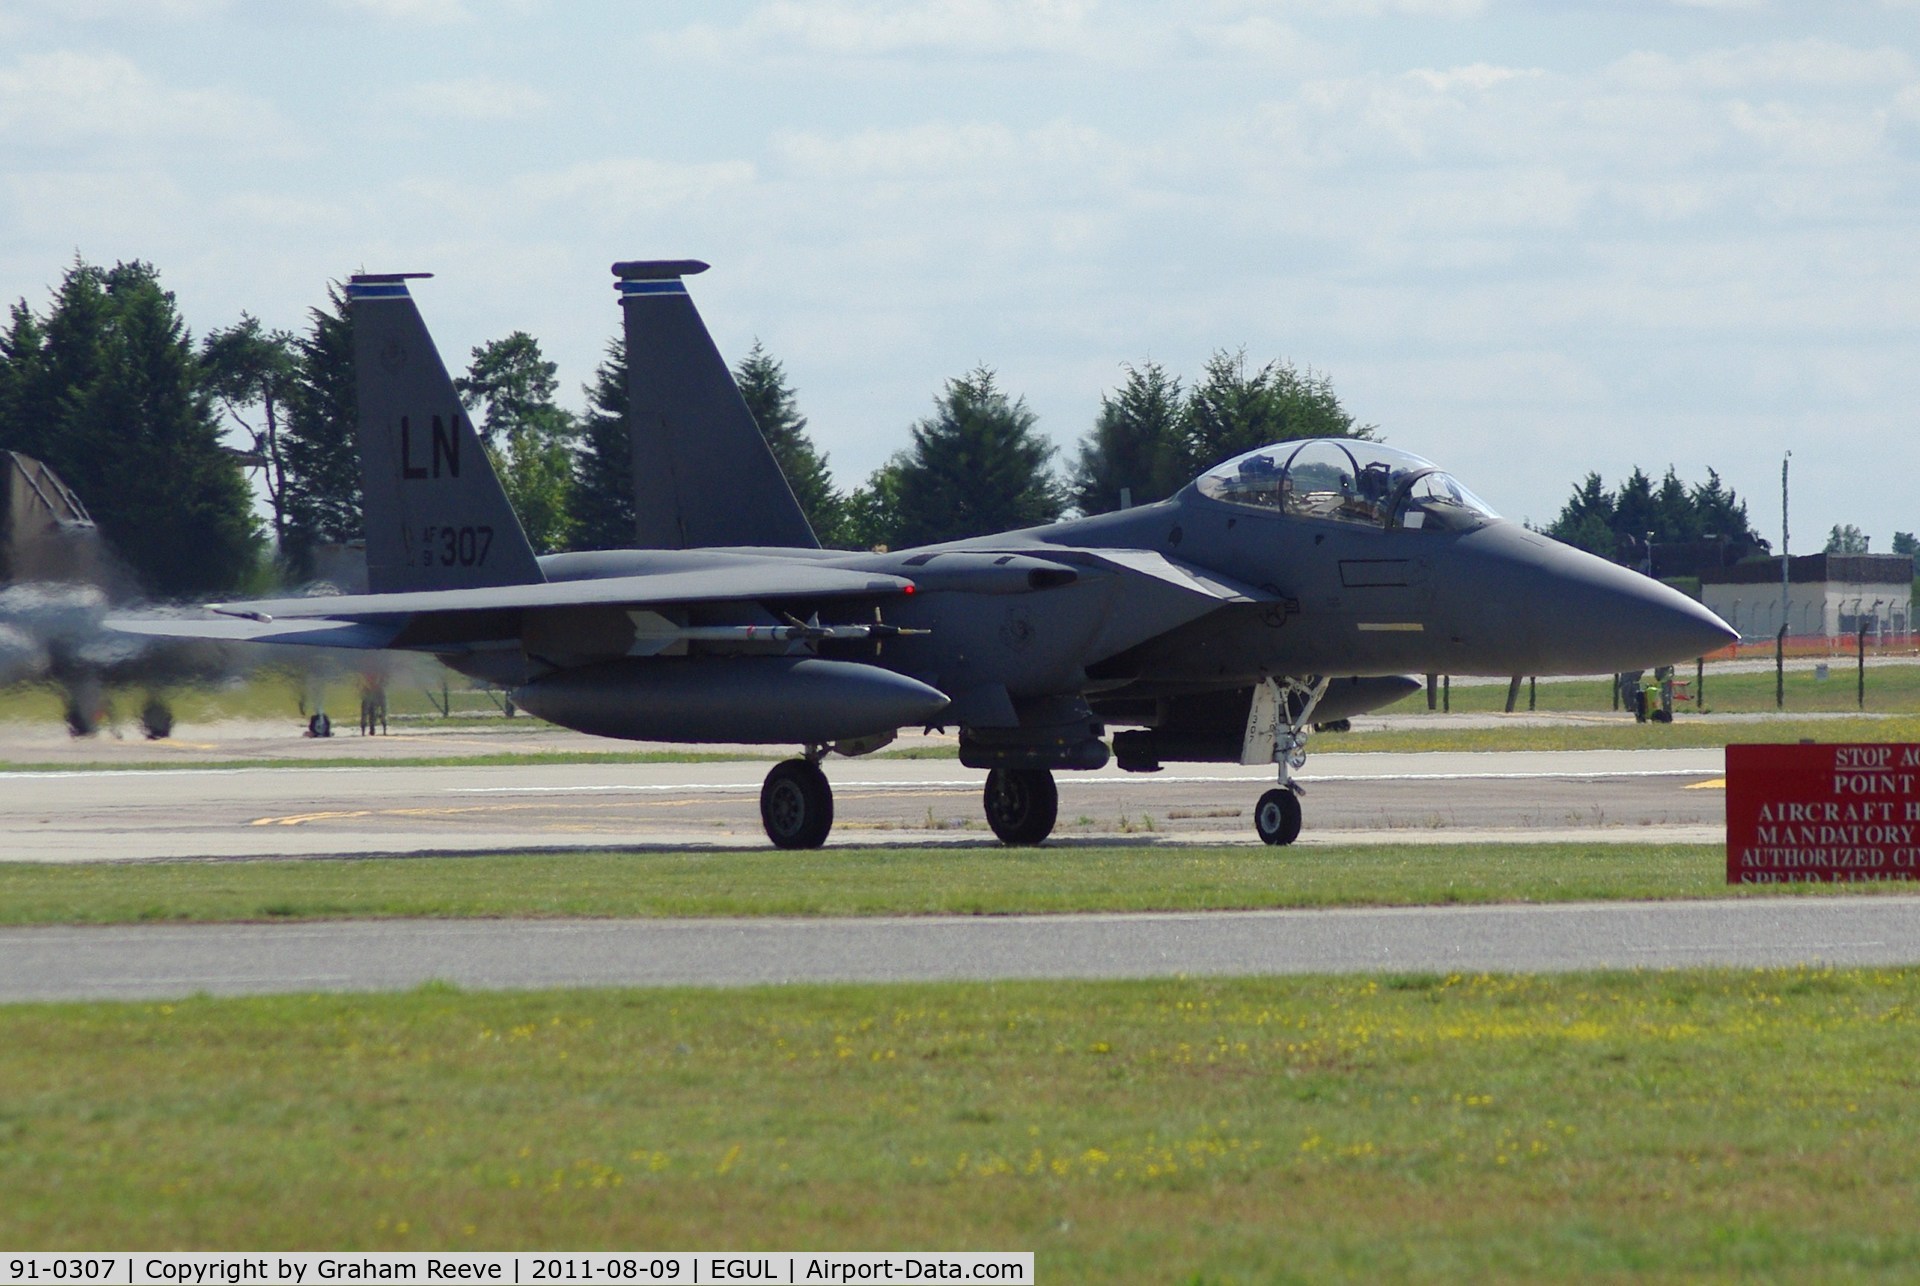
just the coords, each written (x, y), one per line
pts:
(796, 805)
(1277, 816)
(1022, 804)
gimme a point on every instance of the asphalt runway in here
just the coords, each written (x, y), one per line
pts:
(151, 962)
(385, 809)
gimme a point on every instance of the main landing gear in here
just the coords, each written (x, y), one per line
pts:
(1277, 731)
(796, 803)
(1022, 804)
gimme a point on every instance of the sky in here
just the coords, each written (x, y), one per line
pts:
(1527, 241)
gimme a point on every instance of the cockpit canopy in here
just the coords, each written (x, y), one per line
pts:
(1347, 480)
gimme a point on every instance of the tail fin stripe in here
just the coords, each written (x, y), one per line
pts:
(673, 286)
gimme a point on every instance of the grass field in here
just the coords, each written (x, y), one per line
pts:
(1891, 689)
(1726, 1124)
(934, 879)
(1611, 735)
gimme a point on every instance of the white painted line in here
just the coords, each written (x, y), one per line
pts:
(1133, 779)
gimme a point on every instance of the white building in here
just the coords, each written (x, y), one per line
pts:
(1828, 594)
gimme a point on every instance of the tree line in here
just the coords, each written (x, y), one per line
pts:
(1620, 524)
(108, 386)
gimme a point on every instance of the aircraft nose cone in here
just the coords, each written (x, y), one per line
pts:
(1645, 624)
(1552, 609)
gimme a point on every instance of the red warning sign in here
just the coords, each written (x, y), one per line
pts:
(1801, 813)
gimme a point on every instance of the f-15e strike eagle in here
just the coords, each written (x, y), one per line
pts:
(1298, 582)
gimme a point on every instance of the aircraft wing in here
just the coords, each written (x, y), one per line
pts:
(779, 579)
(1182, 576)
(307, 633)
(1160, 595)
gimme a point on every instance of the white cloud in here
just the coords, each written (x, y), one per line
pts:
(1805, 63)
(1479, 76)
(963, 153)
(1810, 135)
(475, 98)
(619, 188)
(122, 12)
(428, 12)
(849, 28)
(67, 98)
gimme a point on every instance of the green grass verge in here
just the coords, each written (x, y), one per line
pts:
(1675, 1125)
(1682, 733)
(935, 879)
(1891, 689)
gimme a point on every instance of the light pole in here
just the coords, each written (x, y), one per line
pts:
(1785, 550)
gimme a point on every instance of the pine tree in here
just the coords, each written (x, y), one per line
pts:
(58, 361)
(1135, 446)
(321, 498)
(1676, 517)
(1586, 521)
(1847, 539)
(528, 437)
(1231, 411)
(763, 385)
(22, 358)
(873, 510)
(1721, 513)
(603, 466)
(156, 479)
(1615, 525)
(976, 466)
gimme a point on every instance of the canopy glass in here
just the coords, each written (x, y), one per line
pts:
(1347, 480)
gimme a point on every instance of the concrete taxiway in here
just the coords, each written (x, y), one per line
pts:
(145, 961)
(88, 815)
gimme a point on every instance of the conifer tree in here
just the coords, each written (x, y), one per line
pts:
(1135, 446)
(321, 497)
(602, 504)
(1231, 411)
(143, 449)
(976, 466)
(770, 399)
(528, 437)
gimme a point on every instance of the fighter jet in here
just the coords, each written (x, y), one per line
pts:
(1212, 625)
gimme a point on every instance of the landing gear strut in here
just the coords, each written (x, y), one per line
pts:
(1277, 732)
(1022, 804)
(796, 804)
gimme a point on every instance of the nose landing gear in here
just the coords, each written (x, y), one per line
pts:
(1277, 731)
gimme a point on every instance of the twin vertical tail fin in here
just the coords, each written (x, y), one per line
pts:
(702, 472)
(436, 517)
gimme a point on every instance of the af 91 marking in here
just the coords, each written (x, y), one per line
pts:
(66, 1269)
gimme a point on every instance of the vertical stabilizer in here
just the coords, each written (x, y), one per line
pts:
(702, 473)
(436, 516)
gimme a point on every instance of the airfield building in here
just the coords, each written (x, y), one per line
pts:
(1828, 594)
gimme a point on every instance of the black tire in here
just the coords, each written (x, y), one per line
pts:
(796, 805)
(156, 719)
(1022, 804)
(1277, 816)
